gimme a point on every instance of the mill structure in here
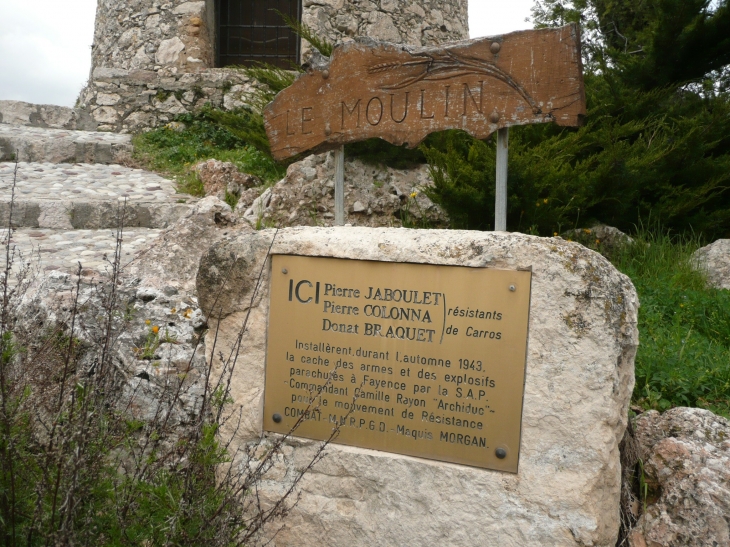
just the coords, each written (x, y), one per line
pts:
(155, 59)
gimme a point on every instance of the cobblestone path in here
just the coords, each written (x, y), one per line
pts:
(91, 181)
(87, 196)
(63, 250)
(69, 193)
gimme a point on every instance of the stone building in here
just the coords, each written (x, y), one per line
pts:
(154, 59)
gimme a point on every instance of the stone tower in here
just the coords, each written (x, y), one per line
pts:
(154, 59)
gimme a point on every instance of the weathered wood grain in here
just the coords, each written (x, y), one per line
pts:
(404, 93)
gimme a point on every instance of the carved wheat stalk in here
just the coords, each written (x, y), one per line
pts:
(383, 67)
(448, 64)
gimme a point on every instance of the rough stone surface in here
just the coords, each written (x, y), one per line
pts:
(152, 35)
(583, 339)
(374, 196)
(686, 454)
(154, 343)
(88, 196)
(714, 260)
(157, 340)
(37, 115)
(419, 23)
(172, 259)
(33, 144)
(169, 51)
(141, 99)
(144, 34)
(601, 234)
(221, 177)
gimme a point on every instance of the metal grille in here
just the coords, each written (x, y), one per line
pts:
(250, 31)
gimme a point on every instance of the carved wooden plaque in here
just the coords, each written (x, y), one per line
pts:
(403, 93)
(415, 359)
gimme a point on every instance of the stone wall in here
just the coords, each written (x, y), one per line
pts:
(153, 35)
(154, 59)
(129, 101)
(419, 23)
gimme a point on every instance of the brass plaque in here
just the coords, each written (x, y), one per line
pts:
(403, 93)
(424, 360)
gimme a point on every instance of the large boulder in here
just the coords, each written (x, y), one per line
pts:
(579, 379)
(714, 261)
(151, 338)
(686, 455)
(600, 235)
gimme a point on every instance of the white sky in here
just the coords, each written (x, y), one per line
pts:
(45, 44)
(45, 49)
(491, 17)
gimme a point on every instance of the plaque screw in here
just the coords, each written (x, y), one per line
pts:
(495, 47)
(284, 271)
(501, 453)
(326, 74)
(327, 130)
(512, 288)
(277, 419)
(494, 117)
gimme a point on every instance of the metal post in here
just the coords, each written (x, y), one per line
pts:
(500, 201)
(340, 186)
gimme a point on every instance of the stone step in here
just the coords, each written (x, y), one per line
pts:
(88, 196)
(38, 115)
(44, 250)
(40, 144)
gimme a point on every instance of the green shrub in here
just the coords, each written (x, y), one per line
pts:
(462, 169)
(226, 136)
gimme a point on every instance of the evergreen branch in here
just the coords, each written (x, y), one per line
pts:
(307, 33)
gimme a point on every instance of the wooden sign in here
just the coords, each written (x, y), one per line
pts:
(403, 93)
(415, 359)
